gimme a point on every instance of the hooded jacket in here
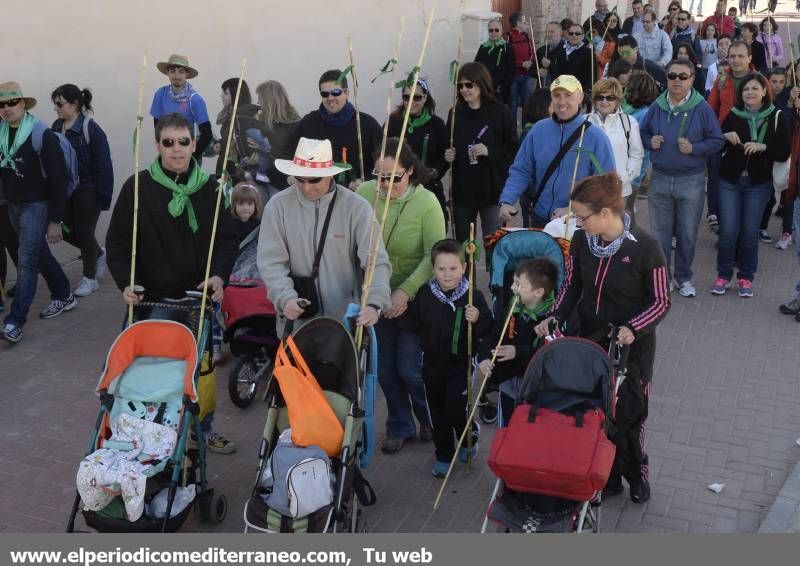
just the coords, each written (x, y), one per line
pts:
(291, 226)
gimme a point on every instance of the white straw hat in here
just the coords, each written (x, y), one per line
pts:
(312, 158)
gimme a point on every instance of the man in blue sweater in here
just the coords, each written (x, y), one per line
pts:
(682, 131)
(545, 162)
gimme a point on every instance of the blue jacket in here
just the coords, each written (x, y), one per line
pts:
(539, 148)
(700, 127)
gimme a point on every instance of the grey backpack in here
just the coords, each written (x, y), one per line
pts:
(300, 478)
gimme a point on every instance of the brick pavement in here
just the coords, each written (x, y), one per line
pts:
(724, 409)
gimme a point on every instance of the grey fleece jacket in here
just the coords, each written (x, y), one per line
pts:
(290, 229)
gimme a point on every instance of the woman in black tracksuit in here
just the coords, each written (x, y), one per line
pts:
(616, 274)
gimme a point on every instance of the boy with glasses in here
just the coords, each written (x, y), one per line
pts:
(176, 209)
(34, 177)
(335, 120)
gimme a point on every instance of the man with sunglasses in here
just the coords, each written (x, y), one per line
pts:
(35, 186)
(498, 56)
(335, 120)
(682, 132)
(175, 220)
(574, 58)
(318, 234)
(653, 42)
(628, 50)
(684, 33)
(180, 97)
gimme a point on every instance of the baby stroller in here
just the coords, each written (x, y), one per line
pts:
(250, 330)
(568, 378)
(149, 384)
(348, 380)
(509, 246)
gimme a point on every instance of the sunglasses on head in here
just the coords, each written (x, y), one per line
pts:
(417, 97)
(605, 97)
(385, 178)
(169, 142)
(575, 33)
(308, 180)
(334, 92)
(681, 76)
(10, 103)
(466, 84)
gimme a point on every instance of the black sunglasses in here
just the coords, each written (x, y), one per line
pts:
(466, 84)
(575, 33)
(10, 103)
(59, 104)
(681, 76)
(334, 92)
(417, 97)
(169, 142)
(385, 178)
(308, 180)
(497, 30)
(603, 97)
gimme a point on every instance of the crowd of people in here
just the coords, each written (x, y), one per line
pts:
(695, 116)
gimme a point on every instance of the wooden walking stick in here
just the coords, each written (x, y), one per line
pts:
(454, 68)
(791, 50)
(471, 248)
(535, 56)
(137, 155)
(471, 415)
(355, 103)
(372, 256)
(572, 187)
(223, 180)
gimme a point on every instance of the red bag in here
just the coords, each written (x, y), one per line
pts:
(549, 453)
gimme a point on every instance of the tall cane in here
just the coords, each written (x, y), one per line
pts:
(372, 255)
(454, 74)
(374, 222)
(572, 187)
(355, 103)
(535, 55)
(791, 49)
(223, 180)
(470, 248)
(478, 396)
(137, 155)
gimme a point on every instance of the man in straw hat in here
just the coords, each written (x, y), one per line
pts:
(179, 96)
(176, 210)
(293, 231)
(34, 176)
(335, 120)
(548, 164)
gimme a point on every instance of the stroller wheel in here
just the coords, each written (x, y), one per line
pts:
(243, 381)
(219, 508)
(487, 411)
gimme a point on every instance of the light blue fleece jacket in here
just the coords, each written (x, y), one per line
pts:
(539, 148)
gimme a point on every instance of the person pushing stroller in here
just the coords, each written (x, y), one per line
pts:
(440, 313)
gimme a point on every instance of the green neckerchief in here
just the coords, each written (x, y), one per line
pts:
(23, 132)
(180, 193)
(626, 107)
(492, 45)
(753, 120)
(536, 312)
(694, 99)
(423, 118)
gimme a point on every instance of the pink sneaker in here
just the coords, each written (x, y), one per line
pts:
(720, 286)
(745, 288)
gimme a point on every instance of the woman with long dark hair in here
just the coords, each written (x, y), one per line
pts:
(95, 188)
(616, 275)
(426, 134)
(484, 146)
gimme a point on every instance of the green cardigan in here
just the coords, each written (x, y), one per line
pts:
(413, 224)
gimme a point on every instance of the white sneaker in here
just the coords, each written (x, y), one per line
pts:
(86, 287)
(101, 266)
(686, 289)
(784, 242)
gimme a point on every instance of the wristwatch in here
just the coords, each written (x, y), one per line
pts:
(378, 309)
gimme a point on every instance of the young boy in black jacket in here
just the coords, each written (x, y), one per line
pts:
(534, 283)
(440, 313)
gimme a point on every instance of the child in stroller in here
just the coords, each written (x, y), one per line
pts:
(249, 317)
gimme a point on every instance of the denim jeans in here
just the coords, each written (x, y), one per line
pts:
(741, 205)
(676, 207)
(712, 188)
(400, 376)
(30, 222)
(463, 216)
(521, 89)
